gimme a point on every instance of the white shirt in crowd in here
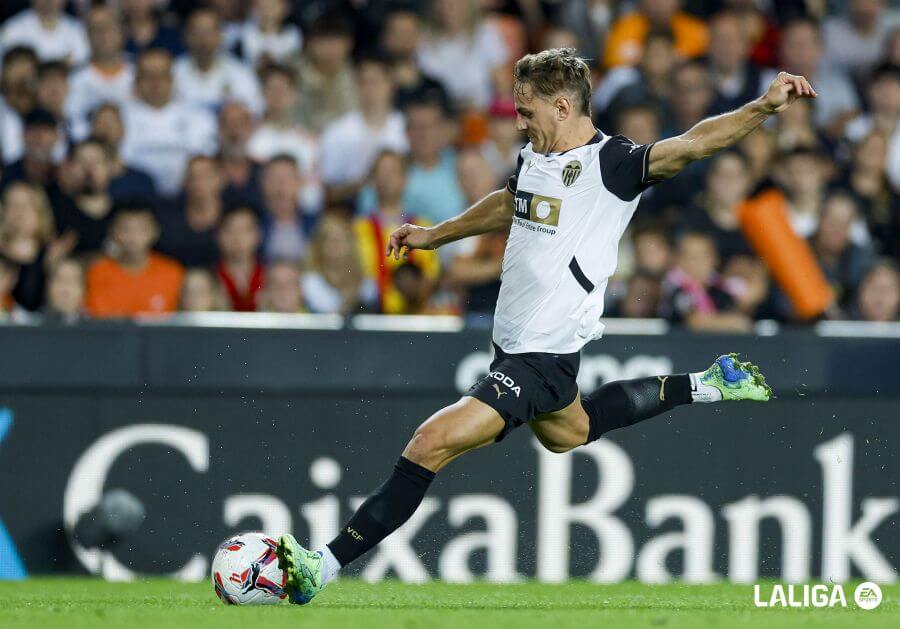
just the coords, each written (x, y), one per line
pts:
(270, 140)
(279, 47)
(464, 63)
(349, 146)
(228, 79)
(322, 297)
(90, 87)
(160, 141)
(11, 140)
(66, 42)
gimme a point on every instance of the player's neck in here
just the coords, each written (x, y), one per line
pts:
(579, 133)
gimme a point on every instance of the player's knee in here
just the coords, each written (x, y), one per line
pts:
(428, 443)
(559, 448)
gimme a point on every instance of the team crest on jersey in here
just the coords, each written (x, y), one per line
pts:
(571, 171)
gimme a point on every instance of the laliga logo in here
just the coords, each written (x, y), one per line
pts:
(867, 596)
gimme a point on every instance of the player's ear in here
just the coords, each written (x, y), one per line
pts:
(563, 108)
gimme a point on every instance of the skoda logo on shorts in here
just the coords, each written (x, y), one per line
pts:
(571, 171)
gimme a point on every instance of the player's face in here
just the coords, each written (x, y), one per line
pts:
(536, 117)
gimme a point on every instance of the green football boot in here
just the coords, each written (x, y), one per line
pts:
(737, 380)
(303, 569)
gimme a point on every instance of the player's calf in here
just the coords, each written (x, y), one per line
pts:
(625, 403)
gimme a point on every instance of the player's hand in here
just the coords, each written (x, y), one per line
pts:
(785, 89)
(411, 237)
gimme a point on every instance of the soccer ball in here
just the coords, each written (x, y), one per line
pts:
(245, 571)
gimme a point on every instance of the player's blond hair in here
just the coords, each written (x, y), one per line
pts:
(555, 71)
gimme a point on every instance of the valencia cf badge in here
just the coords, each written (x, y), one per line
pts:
(571, 172)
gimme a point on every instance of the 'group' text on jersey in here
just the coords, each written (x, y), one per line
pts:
(571, 209)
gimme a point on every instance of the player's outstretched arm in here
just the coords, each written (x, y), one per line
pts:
(668, 157)
(493, 213)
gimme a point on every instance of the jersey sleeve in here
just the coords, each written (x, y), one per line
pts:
(625, 166)
(512, 184)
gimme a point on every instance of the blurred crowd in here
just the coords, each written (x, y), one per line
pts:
(255, 155)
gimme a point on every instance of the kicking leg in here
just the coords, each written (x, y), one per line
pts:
(452, 431)
(627, 402)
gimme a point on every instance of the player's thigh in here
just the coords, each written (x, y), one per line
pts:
(452, 431)
(562, 430)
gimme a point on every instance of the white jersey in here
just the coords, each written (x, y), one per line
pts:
(571, 209)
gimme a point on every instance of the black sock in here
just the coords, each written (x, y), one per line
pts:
(383, 512)
(627, 402)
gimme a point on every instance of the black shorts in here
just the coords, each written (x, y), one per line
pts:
(522, 386)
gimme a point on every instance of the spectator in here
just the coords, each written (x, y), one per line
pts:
(801, 175)
(692, 95)
(854, 42)
(286, 226)
(109, 76)
(626, 38)
(735, 78)
(86, 209)
(161, 133)
(201, 293)
(647, 83)
(206, 76)
(879, 293)
(334, 281)
(350, 143)
(759, 148)
(640, 122)
(465, 53)
(641, 298)
(134, 279)
(126, 182)
(188, 233)
(716, 209)
(232, 14)
(282, 292)
(431, 188)
(327, 86)
(46, 29)
(795, 128)
(239, 271)
(883, 89)
(504, 141)
(37, 165)
(761, 30)
(18, 96)
(801, 53)
(267, 37)
(373, 233)
(65, 292)
(842, 262)
(145, 30)
(652, 248)
(401, 38)
(417, 295)
(242, 173)
(475, 266)
(9, 276)
(26, 233)
(748, 282)
(53, 93)
(865, 177)
(694, 293)
(278, 133)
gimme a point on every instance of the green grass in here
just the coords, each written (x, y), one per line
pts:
(70, 603)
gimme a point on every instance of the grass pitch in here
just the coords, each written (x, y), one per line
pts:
(71, 603)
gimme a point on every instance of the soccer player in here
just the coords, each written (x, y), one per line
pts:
(566, 207)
